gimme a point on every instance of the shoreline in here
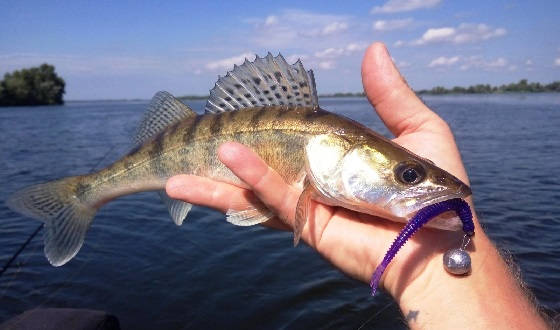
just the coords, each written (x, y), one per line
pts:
(336, 95)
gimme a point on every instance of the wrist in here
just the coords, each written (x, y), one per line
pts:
(488, 297)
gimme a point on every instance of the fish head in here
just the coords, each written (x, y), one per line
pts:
(378, 177)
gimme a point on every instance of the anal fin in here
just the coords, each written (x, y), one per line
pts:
(177, 209)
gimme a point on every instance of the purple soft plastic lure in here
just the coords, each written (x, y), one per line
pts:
(422, 217)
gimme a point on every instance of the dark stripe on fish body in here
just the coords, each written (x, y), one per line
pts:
(216, 125)
(174, 129)
(237, 136)
(210, 149)
(158, 146)
(257, 115)
(285, 110)
(190, 131)
(238, 120)
(82, 187)
(156, 153)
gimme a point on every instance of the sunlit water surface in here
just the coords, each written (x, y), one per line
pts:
(151, 274)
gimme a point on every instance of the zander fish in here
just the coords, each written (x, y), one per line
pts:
(272, 107)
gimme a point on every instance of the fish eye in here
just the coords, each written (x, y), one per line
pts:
(410, 173)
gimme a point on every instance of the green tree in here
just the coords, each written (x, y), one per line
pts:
(34, 86)
(522, 86)
(553, 87)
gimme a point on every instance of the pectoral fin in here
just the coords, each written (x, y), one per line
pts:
(302, 211)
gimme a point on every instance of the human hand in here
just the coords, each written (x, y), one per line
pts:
(352, 241)
(356, 242)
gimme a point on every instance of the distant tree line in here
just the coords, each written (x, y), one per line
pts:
(343, 94)
(33, 86)
(522, 86)
(193, 97)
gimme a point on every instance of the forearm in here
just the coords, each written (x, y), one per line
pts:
(489, 298)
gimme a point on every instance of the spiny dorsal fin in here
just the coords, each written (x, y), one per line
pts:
(163, 111)
(267, 81)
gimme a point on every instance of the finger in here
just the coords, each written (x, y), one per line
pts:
(396, 104)
(207, 192)
(264, 181)
(217, 195)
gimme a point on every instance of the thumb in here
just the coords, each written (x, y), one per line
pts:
(395, 103)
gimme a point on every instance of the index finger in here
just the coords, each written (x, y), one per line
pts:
(265, 183)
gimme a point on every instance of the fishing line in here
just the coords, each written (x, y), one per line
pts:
(21, 248)
(376, 314)
(10, 282)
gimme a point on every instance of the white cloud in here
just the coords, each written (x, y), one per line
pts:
(436, 35)
(472, 62)
(270, 20)
(297, 28)
(388, 25)
(464, 33)
(295, 57)
(82, 64)
(498, 63)
(478, 62)
(334, 27)
(227, 63)
(326, 59)
(557, 61)
(529, 62)
(326, 65)
(444, 61)
(398, 43)
(354, 47)
(333, 52)
(329, 53)
(395, 6)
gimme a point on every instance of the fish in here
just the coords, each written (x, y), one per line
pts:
(272, 107)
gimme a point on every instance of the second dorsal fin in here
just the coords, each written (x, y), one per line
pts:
(267, 81)
(164, 110)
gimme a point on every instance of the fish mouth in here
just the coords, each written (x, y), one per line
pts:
(446, 221)
(462, 192)
(422, 198)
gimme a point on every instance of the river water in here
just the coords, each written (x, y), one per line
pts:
(151, 274)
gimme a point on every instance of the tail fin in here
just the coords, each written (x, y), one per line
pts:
(66, 217)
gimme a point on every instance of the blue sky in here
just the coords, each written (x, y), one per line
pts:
(132, 49)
